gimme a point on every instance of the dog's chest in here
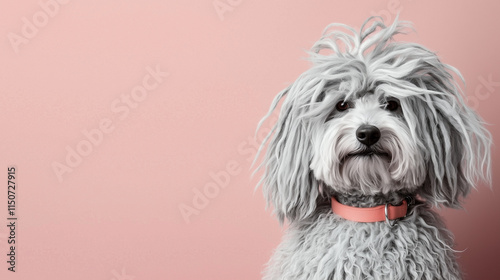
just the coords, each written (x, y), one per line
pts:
(332, 248)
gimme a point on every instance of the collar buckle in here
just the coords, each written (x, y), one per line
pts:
(410, 200)
(391, 223)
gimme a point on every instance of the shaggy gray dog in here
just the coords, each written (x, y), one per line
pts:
(373, 122)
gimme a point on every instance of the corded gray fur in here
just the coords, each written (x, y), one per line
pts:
(432, 147)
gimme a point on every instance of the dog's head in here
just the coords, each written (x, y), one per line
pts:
(373, 116)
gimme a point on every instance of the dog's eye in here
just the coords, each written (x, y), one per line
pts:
(391, 105)
(342, 106)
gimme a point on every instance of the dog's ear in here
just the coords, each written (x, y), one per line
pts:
(288, 182)
(455, 141)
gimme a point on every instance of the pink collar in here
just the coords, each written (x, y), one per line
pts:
(387, 212)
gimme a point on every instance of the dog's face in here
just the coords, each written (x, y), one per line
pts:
(373, 117)
(366, 146)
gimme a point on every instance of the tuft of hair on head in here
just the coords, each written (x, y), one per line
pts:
(452, 136)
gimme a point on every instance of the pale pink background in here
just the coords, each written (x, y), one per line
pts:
(117, 214)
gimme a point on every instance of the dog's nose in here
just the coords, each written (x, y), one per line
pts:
(368, 134)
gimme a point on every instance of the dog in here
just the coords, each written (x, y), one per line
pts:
(368, 140)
